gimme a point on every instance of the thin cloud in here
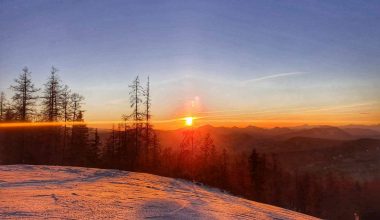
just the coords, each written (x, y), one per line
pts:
(274, 76)
(227, 82)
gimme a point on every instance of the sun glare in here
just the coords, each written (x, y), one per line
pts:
(189, 121)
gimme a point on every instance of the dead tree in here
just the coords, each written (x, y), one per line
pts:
(135, 101)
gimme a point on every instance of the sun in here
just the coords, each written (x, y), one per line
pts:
(189, 121)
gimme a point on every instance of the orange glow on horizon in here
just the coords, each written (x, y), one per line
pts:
(217, 121)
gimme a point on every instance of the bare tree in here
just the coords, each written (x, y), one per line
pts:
(134, 98)
(147, 104)
(135, 101)
(24, 97)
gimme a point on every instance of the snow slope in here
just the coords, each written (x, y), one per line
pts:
(41, 192)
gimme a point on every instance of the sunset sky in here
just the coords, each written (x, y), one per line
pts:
(229, 63)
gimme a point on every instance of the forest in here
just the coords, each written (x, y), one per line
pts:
(134, 145)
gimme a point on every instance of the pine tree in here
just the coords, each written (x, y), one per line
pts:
(224, 169)
(52, 110)
(79, 133)
(2, 106)
(76, 105)
(24, 99)
(185, 156)
(109, 154)
(156, 153)
(257, 171)
(92, 153)
(65, 103)
(24, 96)
(205, 147)
(52, 92)
(9, 113)
(79, 143)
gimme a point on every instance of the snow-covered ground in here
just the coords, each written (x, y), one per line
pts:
(48, 192)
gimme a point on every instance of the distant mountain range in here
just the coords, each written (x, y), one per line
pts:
(352, 150)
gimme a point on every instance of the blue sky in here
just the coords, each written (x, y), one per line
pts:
(232, 56)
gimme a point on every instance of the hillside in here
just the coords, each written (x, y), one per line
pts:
(40, 192)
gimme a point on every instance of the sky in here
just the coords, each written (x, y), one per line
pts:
(227, 63)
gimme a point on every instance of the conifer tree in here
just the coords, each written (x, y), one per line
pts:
(92, 153)
(2, 106)
(257, 171)
(24, 96)
(65, 103)
(52, 92)
(24, 99)
(76, 105)
(156, 153)
(79, 143)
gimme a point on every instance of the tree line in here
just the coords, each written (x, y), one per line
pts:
(55, 102)
(134, 145)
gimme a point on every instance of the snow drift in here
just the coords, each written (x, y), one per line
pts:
(40, 192)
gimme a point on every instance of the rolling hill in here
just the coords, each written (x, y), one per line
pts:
(47, 192)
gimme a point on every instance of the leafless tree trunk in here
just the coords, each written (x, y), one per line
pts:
(135, 100)
(147, 124)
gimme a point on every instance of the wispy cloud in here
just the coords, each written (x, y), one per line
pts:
(239, 83)
(269, 77)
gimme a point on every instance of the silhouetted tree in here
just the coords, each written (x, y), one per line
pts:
(76, 105)
(23, 104)
(206, 152)
(147, 104)
(224, 170)
(92, 153)
(184, 167)
(2, 106)
(77, 153)
(65, 103)
(9, 114)
(51, 97)
(109, 154)
(51, 110)
(24, 95)
(156, 163)
(79, 132)
(135, 101)
(257, 170)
